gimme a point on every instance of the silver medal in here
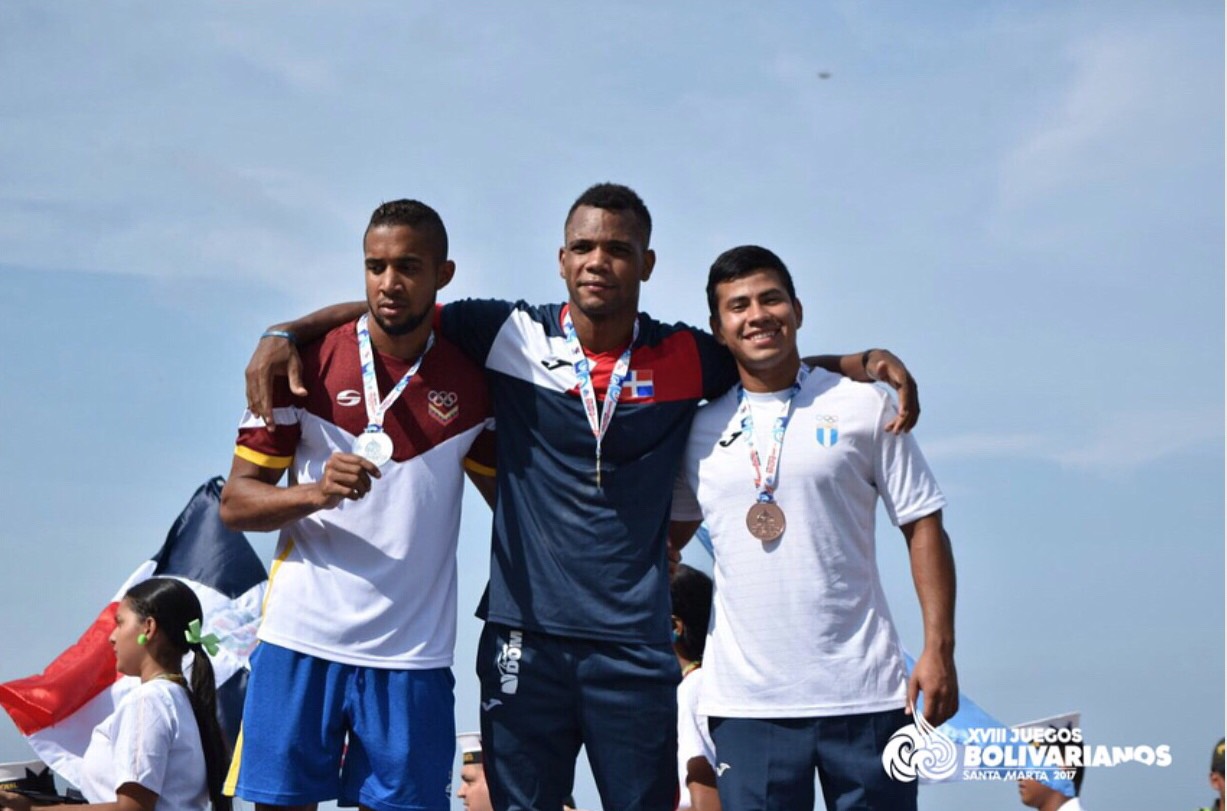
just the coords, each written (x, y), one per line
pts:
(375, 447)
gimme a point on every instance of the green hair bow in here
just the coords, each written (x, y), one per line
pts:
(208, 641)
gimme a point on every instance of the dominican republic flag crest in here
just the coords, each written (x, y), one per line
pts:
(640, 383)
(58, 709)
(828, 430)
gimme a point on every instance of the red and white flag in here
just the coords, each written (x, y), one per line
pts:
(58, 709)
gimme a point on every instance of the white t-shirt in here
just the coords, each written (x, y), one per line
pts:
(152, 740)
(693, 739)
(800, 626)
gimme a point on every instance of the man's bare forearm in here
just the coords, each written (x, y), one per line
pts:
(250, 505)
(934, 577)
(878, 366)
(851, 366)
(934, 676)
(314, 325)
(252, 501)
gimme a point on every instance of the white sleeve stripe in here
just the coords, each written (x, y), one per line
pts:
(283, 416)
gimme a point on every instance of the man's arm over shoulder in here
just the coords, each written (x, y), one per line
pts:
(471, 324)
(276, 355)
(474, 324)
(878, 366)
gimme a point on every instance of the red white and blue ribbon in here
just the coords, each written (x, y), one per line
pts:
(598, 419)
(765, 477)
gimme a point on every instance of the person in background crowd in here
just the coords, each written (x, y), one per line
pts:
(1043, 797)
(162, 747)
(691, 592)
(473, 791)
(1216, 776)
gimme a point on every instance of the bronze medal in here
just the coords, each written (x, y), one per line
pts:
(765, 520)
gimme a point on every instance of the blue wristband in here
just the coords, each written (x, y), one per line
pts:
(279, 333)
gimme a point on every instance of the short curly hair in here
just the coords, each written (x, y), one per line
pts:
(615, 197)
(416, 215)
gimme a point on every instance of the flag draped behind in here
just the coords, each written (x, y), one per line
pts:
(58, 709)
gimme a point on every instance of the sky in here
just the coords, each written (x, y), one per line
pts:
(1022, 200)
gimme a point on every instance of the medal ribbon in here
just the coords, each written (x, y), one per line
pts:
(375, 408)
(765, 478)
(587, 393)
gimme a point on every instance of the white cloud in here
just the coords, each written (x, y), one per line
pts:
(971, 446)
(1120, 443)
(1131, 441)
(1127, 105)
(1107, 90)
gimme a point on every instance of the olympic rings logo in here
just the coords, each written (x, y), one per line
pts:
(443, 399)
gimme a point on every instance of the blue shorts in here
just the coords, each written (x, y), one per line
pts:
(768, 764)
(315, 730)
(544, 696)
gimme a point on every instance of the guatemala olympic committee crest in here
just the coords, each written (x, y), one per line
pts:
(828, 430)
